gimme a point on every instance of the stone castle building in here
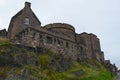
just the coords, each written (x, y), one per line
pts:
(25, 28)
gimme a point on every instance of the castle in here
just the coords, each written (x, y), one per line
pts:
(25, 28)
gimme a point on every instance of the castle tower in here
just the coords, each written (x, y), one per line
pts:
(91, 44)
(23, 19)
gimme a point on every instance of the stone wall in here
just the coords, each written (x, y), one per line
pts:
(62, 28)
(90, 46)
(86, 41)
(39, 38)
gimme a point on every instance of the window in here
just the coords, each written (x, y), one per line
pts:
(49, 40)
(23, 34)
(34, 36)
(27, 21)
(58, 41)
(81, 49)
(54, 40)
(40, 36)
(67, 44)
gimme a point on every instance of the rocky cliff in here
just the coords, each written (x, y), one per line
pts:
(18, 62)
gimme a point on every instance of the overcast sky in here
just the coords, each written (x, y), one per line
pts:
(101, 17)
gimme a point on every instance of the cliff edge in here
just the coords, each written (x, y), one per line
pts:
(19, 62)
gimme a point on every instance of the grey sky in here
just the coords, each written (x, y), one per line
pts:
(101, 17)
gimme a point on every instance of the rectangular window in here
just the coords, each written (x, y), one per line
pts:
(49, 40)
(40, 36)
(67, 44)
(54, 40)
(27, 21)
(58, 41)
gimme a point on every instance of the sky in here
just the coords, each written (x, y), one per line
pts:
(101, 17)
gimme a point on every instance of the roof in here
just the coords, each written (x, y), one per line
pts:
(60, 25)
(20, 12)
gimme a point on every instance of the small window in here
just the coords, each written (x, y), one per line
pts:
(27, 21)
(40, 36)
(34, 36)
(54, 40)
(58, 41)
(67, 44)
(49, 40)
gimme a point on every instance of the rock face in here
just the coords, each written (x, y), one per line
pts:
(24, 76)
(60, 63)
(18, 62)
(16, 56)
(118, 76)
(78, 73)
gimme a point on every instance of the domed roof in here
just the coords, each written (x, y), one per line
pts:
(60, 26)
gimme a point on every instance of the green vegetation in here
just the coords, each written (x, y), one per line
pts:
(4, 42)
(90, 73)
(94, 71)
(50, 66)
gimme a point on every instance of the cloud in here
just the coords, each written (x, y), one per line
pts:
(0, 23)
(3, 2)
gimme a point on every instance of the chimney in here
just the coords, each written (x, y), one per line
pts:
(27, 4)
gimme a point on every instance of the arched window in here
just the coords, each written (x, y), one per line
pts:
(27, 21)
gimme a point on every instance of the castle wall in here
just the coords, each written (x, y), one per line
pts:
(34, 38)
(90, 46)
(83, 48)
(62, 28)
(95, 43)
(98, 54)
(84, 39)
(102, 59)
